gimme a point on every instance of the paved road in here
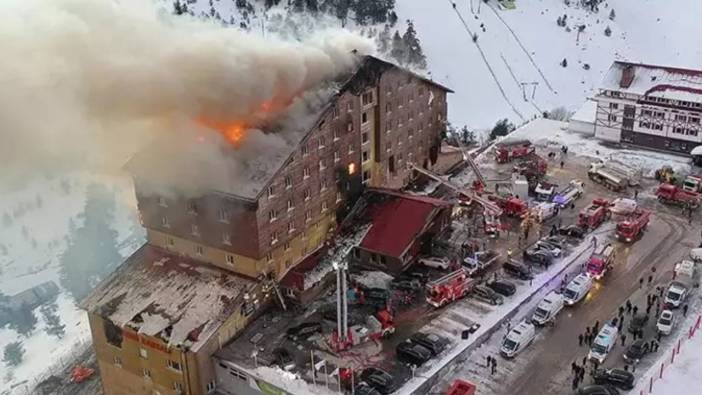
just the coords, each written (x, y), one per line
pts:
(548, 368)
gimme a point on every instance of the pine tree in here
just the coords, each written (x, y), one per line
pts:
(392, 18)
(23, 321)
(502, 128)
(13, 353)
(177, 8)
(399, 49)
(312, 5)
(415, 55)
(612, 15)
(92, 249)
(608, 31)
(384, 40)
(54, 327)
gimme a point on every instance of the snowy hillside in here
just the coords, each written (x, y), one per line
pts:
(38, 224)
(522, 47)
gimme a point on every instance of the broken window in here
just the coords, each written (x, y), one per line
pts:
(364, 137)
(364, 118)
(174, 365)
(113, 333)
(365, 156)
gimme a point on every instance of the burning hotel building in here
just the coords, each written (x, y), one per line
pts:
(213, 262)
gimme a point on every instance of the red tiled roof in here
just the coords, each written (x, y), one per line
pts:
(396, 223)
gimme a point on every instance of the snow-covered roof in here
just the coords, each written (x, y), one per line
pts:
(659, 81)
(171, 297)
(586, 113)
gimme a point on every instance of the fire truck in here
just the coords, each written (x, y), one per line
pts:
(507, 151)
(672, 194)
(531, 166)
(594, 214)
(461, 387)
(633, 226)
(512, 206)
(600, 261)
(448, 288)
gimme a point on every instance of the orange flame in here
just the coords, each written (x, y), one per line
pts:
(232, 131)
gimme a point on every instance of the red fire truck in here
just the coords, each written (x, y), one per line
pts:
(594, 214)
(461, 387)
(672, 194)
(448, 288)
(600, 261)
(633, 226)
(511, 206)
(506, 151)
(531, 165)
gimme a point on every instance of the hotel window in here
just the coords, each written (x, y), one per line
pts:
(291, 226)
(230, 259)
(164, 222)
(366, 176)
(269, 257)
(364, 137)
(192, 207)
(365, 156)
(324, 185)
(274, 237)
(226, 238)
(388, 126)
(307, 194)
(336, 134)
(324, 206)
(178, 387)
(349, 126)
(694, 120)
(320, 142)
(350, 148)
(117, 361)
(321, 164)
(367, 98)
(272, 215)
(211, 386)
(349, 107)
(388, 108)
(288, 182)
(174, 365)
(195, 230)
(291, 205)
(336, 111)
(337, 157)
(308, 216)
(305, 150)
(171, 242)
(162, 201)
(286, 246)
(199, 250)
(223, 215)
(613, 106)
(364, 118)
(612, 118)
(271, 192)
(146, 373)
(338, 196)
(305, 172)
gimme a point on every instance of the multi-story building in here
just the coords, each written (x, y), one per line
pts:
(651, 106)
(199, 279)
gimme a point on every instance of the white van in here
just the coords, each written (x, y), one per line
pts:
(603, 343)
(577, 289)
(686, 268)
(548, 308)
(545, 211)
(517, 339)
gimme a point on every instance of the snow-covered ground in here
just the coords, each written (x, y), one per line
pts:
(651, 31)
(36, 221)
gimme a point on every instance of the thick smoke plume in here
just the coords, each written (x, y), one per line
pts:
(88, 83)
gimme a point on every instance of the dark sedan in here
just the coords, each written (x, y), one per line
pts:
(518, 270)
(573, 231)
(412, 353)
(502, 287)
(597, 389)
(616, 377)
(635, 351)
(430, 341)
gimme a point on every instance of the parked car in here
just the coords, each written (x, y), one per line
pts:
(557, 241)
(406, 284)
(517, 269)
(366, 389)
(537, 255)
(549, 246)
(635, 351)
(676, 294)
(486, 294)
(573, 231)
(666, 322)
(638, 322)
(597, 389)
(379, 379)
(430, 341)
(502, 287)
(615, 377)
(412, 353)
(283, 358)
(303, 331)
(442, 263)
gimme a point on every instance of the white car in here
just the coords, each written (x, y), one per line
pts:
(435, 262)
(666, 322)
(623, 206)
